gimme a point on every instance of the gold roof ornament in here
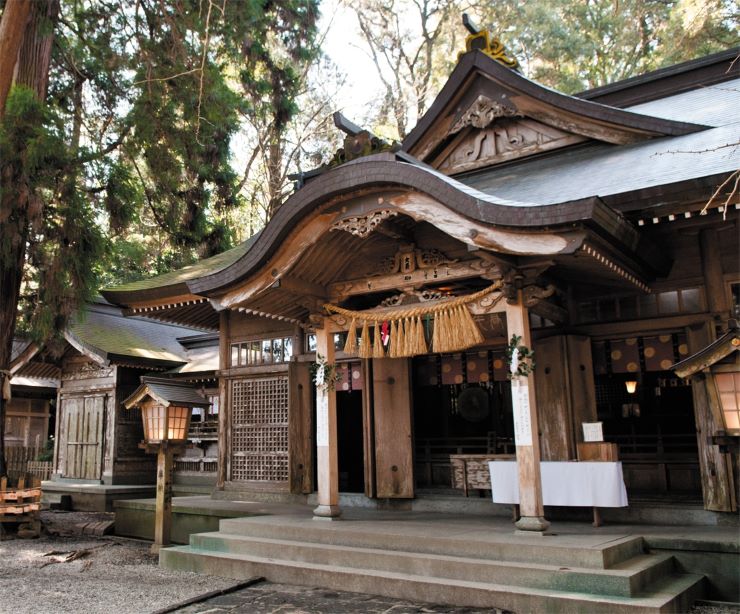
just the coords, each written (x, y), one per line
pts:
(482, 40)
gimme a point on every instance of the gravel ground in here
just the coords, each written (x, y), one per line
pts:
(114, 575)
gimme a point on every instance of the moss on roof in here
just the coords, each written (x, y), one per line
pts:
(104, 331)
(201, 268)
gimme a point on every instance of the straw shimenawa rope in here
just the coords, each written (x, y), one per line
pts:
(454, 327)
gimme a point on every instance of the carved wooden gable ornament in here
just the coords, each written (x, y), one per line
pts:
(489, 132)
(488, 113)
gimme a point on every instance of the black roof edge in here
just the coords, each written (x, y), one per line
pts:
(199, 341)
(668, 81)
(141, 362)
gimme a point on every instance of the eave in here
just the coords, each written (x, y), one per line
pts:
(711, 354)
(498, 215)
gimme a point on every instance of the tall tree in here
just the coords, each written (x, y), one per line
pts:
(570, 46)
(22, 144)
(137, 125)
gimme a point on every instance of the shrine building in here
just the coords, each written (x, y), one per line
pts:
(593, 230)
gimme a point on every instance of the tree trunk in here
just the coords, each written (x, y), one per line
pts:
(12, 27)
(31, 70)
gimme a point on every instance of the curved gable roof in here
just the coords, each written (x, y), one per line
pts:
(381, 171)
(477, 73)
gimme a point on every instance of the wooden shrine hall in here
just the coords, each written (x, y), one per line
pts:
(384, 318)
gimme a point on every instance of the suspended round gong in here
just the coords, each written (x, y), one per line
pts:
(473, 404)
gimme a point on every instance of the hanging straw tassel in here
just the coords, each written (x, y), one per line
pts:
(400, 340)
(393, 341)
(377, 343)
(474, 336)
(436, 339)
(350, 346)
(366, 349)
(406, 337)
(419, 340)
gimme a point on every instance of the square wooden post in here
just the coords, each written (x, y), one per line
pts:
(163, 510)
(526, 430)
(326, 433)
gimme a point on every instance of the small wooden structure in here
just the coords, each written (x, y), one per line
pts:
(470, 471)
(21, 505)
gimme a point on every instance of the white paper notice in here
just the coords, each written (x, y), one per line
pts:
(593, 431)
(520, 405)
(322, 420)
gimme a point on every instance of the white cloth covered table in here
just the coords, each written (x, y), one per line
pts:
(579, 484)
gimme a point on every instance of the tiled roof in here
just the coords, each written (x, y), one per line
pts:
(603, 170)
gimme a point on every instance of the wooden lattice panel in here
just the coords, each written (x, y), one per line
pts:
(259, 430)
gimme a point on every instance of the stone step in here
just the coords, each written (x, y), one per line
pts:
(675, 593)
(570, 551)
(626, 579)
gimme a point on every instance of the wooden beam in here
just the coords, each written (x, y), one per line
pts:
(526, 429)
(326, 435)
(300, 287)
(444, 272)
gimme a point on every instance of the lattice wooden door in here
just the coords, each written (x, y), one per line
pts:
(259, 429)
(84, 419)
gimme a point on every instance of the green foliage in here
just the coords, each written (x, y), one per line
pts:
(573, 46)
(126, 168)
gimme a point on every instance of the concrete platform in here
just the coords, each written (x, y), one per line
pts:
(190, 514)
(453, 559)
(710, 551)
(91, 497)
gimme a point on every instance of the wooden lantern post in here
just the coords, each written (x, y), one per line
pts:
(526, 429)
(326, 433)
(165, 432)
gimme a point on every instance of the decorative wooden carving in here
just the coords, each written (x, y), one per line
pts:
(408, 258)
(88, 370)
(414, 279)
(491, 325)
(361, 226)
(482, 113)
(531, 295)
(501, 140)
(411, 297)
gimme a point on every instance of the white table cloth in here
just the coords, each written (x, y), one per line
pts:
(580, 484)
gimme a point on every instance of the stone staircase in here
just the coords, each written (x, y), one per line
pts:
(446, 563)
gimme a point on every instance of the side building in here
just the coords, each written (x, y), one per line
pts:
(96, 455)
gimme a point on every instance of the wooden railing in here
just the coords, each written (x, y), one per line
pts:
(185, 464)
(204, 430)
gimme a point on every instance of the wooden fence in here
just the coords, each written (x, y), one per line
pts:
(22, 460)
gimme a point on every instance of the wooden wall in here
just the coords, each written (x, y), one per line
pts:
(394, 466)
(565, 393)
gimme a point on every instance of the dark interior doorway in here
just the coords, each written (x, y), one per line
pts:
(349, 436)
(462, 405)
(656, 432)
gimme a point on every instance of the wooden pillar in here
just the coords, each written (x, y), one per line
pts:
(711, 264)
(224, 402)
(326, 433)
(163, 510)
(526, 429)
